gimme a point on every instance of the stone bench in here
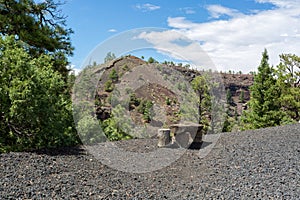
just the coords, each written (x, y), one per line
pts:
(164, 137)
(183, 134)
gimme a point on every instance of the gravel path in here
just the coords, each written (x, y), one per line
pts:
(262, 164)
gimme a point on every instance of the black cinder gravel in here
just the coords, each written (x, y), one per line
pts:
(261, 164)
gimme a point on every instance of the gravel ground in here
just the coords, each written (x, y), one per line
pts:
(262, 164)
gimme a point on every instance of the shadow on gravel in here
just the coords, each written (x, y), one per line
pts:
(199, 145)
(61, 151)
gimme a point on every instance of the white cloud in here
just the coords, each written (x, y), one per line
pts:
(237, 43)
(216, 11)
(112, 30)
(281, 3)
(176, 45)
(147, 7)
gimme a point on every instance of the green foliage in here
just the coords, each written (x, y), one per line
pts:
(288, 73)
(264, 105)
(290, 100)
(109, 57)
(228, 124)
(134, 101)
(41, 26)
(35, 106)
(112, 130)
(90, 131)
(152, 60)
(235, 114)
(125, 67)
(145, 108)
(117, 127)
(128, 91)
(201, 87)
(109, 86)
(242, 96)
(113, 75)
(229, 99)
(289, 70)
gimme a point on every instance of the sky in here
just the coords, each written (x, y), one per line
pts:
(232, 33)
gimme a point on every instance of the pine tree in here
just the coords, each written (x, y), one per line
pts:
(114, 75)
(288, 73)
(200, 86)
(151, 60)
(229, 97)
(109, 57)
(264, 105)
(242, 97)
(41, 26)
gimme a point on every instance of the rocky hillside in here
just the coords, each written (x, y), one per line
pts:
(239, 87)
(143, 98)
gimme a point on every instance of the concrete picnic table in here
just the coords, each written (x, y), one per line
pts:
(182, 134)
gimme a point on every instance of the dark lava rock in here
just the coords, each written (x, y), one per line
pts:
(261, 164)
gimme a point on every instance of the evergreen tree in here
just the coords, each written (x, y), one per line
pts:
(236, 114)
(229, 97)
(288, 73)
(264, 105)
(289, 70)
(109, 57)
(113, 75)
(228, 124)
(201, 87)
(242, 97)
(41, 26)
(151, 60)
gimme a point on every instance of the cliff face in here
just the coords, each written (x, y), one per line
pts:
(237, 83)
(239, 87)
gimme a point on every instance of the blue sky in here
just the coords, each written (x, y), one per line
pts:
(233, 33)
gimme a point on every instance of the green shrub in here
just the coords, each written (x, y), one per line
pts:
(109, 86)
(114, 76)
(125, 68)
(151, 60)
(35, 106)
(117, 127)
(242, 97)
(112, 132)
(134, 101)
(90, 130)
(145, 108)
